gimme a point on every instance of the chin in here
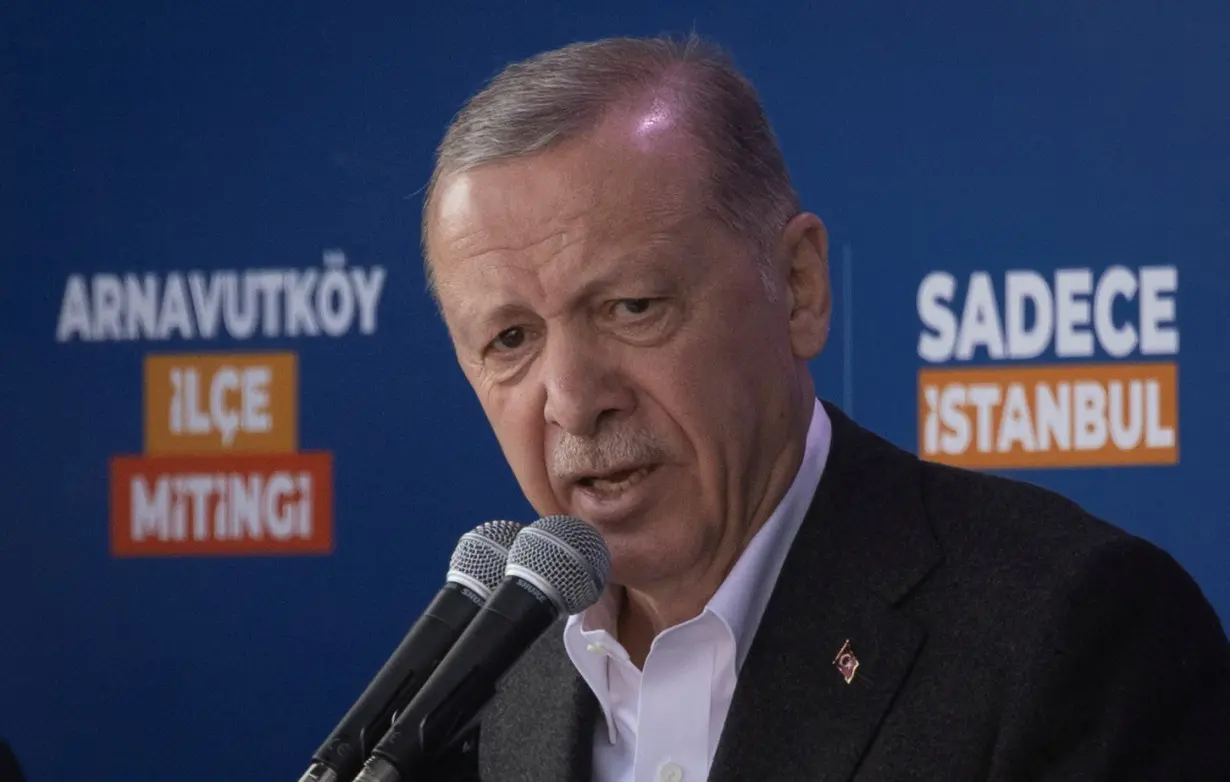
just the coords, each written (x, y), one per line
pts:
(640, 565)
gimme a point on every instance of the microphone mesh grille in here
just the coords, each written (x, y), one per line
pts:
(482, 553)
(568, 554)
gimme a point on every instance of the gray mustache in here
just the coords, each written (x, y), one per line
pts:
(612, 450)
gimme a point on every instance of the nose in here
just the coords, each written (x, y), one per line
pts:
(583, 386)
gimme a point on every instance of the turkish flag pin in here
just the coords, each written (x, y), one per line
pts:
(846, 662)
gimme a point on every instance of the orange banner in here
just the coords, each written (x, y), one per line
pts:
(1062, 415)
(218, 505)
(221, 403)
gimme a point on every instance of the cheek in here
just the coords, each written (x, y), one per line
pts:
(690, 397)
(519, 427)
(718, 372)
(716, 386)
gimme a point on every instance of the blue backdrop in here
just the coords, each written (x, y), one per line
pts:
(185, 141)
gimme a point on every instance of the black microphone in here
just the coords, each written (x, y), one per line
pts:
(558, 564)
(475, 570)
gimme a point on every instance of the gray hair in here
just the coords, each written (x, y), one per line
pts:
(558, 95)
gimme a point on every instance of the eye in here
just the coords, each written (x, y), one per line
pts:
(635, 306)
(509, 339)
(642, 321)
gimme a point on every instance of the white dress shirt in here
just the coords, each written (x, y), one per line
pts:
(662, 723)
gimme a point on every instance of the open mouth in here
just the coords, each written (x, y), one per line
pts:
(614, 482)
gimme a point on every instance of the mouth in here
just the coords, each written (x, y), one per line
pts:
(614, 482)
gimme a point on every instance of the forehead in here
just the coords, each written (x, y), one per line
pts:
(619, 188)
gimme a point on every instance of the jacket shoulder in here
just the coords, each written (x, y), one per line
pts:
(985, 519)
(1020, 556)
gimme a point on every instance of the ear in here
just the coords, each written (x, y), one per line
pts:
(804, 250)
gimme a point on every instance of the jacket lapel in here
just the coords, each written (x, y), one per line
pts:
(540, 726)
(862, 547)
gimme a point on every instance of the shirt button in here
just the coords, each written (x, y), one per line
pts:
(595, 648)
(670, 772)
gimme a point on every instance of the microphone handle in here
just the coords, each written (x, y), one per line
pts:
(515, 616)
(319, 772)
(341, 755)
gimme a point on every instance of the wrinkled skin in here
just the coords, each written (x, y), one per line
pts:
(635, 368)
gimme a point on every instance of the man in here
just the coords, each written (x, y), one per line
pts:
(634, 293)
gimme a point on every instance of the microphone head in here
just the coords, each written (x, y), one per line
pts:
(481, 556)
(564, 557)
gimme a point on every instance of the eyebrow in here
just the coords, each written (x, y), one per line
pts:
(482, 320)
(475, 324)
(644, 269)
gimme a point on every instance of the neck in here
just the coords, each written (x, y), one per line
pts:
(647, 610)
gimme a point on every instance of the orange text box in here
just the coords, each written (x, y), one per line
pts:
(218, 505)
(1061, 415)
(221, 403)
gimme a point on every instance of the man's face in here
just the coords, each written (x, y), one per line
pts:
(623, 345)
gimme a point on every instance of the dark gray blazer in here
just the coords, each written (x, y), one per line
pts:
(1002, 634)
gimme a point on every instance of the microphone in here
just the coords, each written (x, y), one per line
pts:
(558, 564)
(475, 570)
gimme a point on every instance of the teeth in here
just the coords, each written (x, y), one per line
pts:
(605, 485)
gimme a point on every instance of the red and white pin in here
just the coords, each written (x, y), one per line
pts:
(846, 662)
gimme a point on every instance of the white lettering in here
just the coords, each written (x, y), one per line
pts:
(1156, 435)
(206, 302)
(984, 397)
(141, 306)
(201, 507)
(367, 290)
(931, 421)
(1072, 312)
(1041, 417)
(1022, 288)
(1054, 416)
(200, 489)
(1125, 429)
(305, 505)
(175, 412)
(251, 414)
(980, 320)
(220, 509)
(333, 300)
(108, 305)
(174, 315)
(179, 511)
(268, 284)
(245, 507)
(1016, 426)
(957, 438)
(1090, 408)
(225, 419)
(279, 513)
(1116, 282)
(1157, 307)
(1123, 311)
(240, 322)
(256, 416)
(74, 312)
(300, 317)
(186, 414)
(150, 512)
(936, 291)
